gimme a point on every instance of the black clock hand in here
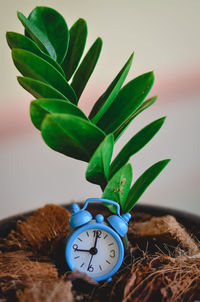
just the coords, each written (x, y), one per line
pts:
(79, 250)
(89, 265)
(95, 243)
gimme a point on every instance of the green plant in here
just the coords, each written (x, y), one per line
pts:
(48, 57)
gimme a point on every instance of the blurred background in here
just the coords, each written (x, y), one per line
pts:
(165, 38)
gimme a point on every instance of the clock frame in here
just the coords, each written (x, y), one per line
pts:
(93, 225)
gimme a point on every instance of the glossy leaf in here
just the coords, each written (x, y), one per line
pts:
(143, 182)
(86, 67)
(78, 36)
(71, 135)
(146, 104)
(32, 66)
(136, 143)
(40, 89)
(34, 33)
(98, 167)
(104, 102)
(16, 40)
(49, 30)
(118, 187)
(40, 108)
(127, 101)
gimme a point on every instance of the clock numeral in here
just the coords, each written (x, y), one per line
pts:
(75, 247)
(79, 239)
(107, 261)
(87, 234)
(97, 233)
(112, 254)
(90, 269)
(100, 267)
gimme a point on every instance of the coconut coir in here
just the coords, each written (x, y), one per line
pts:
(162, 263)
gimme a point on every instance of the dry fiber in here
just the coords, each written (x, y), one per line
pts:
(161, 264)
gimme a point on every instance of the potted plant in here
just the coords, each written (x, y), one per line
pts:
(48, 57)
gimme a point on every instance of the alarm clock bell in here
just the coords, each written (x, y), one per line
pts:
(79, 216)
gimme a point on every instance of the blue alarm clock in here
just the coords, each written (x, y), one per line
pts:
(95, 247)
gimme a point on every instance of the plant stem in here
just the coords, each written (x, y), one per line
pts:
(125, 242)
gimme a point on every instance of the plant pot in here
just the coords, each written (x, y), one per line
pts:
(122, 289)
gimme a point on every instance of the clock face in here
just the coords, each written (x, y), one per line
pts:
(95, 251)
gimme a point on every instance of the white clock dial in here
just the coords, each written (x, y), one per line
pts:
(94, 252)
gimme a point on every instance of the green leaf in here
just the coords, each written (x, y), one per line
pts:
(104, 102)
(40, 89)
(86, 67)
(136, 143)
(98, 167)
(40, 108)
(146, 104)
(32, 66)
(71, 135)
(118, 187)
(49, 30)
(127, 101)
(34, 33)
(78, 36)
(143, 182)
(16, 40)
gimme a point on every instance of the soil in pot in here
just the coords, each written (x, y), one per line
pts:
(162, 262)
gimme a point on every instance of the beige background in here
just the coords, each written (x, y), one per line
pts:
(165, 38)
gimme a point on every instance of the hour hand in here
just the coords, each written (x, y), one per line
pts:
(80, 250)
(75, 248)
